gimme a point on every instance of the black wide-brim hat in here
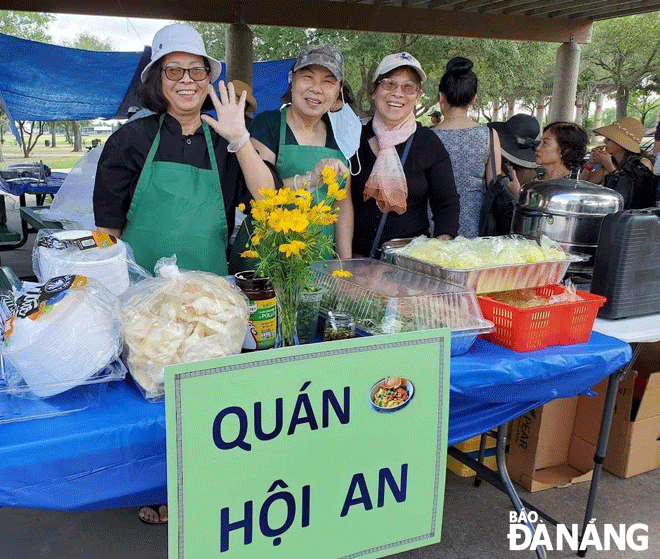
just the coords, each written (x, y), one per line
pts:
(518, 139)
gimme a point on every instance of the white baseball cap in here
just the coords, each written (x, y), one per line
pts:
(179, 37)
(394, 61)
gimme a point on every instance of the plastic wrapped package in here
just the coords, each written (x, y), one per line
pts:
(19, 403)
(88, 253)
(178, 317)
(73, 201)
(59, 334)
(485, 264)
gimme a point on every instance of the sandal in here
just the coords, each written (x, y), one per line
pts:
(155, 509)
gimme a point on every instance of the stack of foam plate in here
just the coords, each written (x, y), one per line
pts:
(71, 338)
(67, 252)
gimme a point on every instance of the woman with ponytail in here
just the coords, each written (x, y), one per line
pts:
(467, 142)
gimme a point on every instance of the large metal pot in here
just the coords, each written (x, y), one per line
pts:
(568, 211)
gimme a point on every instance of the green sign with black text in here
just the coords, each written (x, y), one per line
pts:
(324, 451)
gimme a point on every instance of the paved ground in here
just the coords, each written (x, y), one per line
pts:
(475, 525)
(475, 520)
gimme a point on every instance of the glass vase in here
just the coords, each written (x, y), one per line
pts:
(308, 314)
(288, 298)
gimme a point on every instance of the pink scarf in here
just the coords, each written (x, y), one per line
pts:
(387, 182)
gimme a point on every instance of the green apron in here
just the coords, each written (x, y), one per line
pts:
(291, 160)
(178, 209)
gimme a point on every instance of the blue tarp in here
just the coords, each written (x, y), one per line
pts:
(45, 82)
(114, 455)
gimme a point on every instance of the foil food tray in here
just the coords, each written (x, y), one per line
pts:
(504, 277)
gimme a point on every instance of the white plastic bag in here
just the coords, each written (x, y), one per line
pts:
(179, 317)
(87, 253)
(61, 333)
(73, 201)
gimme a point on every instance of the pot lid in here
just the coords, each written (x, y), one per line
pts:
(569, 197)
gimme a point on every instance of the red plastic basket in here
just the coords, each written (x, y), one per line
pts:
(527, 329)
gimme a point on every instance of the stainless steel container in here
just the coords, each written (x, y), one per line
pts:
(569, 211)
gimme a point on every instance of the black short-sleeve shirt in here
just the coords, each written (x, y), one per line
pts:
(125, 153)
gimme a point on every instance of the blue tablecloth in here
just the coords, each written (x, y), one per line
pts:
(114, 455)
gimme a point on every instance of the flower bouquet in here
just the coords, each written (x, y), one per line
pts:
(288, 238)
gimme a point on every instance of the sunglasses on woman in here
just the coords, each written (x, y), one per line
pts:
(175, 73)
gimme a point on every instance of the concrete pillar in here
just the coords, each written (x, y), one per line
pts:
(598, 115)
(579, 104)
(567, 67)
(238, 53)
(540, 110)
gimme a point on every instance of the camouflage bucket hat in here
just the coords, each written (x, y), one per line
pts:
(321, 55)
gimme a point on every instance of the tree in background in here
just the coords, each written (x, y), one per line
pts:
(30, 133)
(627, 50)
(27, 25)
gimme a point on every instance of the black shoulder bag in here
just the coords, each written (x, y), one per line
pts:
(497, 207)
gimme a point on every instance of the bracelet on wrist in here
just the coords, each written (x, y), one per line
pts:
(588, 167)
(234, 146)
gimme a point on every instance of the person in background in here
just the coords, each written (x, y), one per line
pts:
(403, 166)
(300, 139)
(435, 118)
(467, 142)
(621, 165)
(561, 150)
(518, 140)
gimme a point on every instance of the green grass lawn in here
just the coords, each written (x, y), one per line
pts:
(60, 157)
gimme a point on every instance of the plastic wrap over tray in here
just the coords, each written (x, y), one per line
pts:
(386, 299)
(485, 279)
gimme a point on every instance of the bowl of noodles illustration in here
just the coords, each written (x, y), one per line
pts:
(391, 394)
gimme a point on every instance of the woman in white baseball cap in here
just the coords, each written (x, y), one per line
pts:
(169, 183)
(403, 165)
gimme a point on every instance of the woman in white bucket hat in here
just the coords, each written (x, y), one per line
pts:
(169, 183)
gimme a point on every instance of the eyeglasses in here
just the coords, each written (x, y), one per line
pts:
(175, 73)
(406, 88)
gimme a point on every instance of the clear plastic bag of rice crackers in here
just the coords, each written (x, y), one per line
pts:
(179, 316)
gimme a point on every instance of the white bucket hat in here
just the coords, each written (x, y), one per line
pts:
(394, 61)
(179, 37)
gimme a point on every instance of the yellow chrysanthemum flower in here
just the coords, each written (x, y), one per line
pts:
(256, 238)
(250, 254)
(342, 274)
(259, 211)
(334, 191)
(294, 247)
(328, 174)
(267, 192)
(297, 220)
(241, 207)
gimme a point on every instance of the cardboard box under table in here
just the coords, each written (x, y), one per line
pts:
(546, 447)
(634, 442)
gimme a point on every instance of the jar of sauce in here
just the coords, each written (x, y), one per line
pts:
(262, 326)
(338, 326)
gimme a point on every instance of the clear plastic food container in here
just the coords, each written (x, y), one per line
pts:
(485, 279)
(386, 299)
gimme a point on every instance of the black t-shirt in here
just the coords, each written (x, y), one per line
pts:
(430, 179)
(125, 152)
